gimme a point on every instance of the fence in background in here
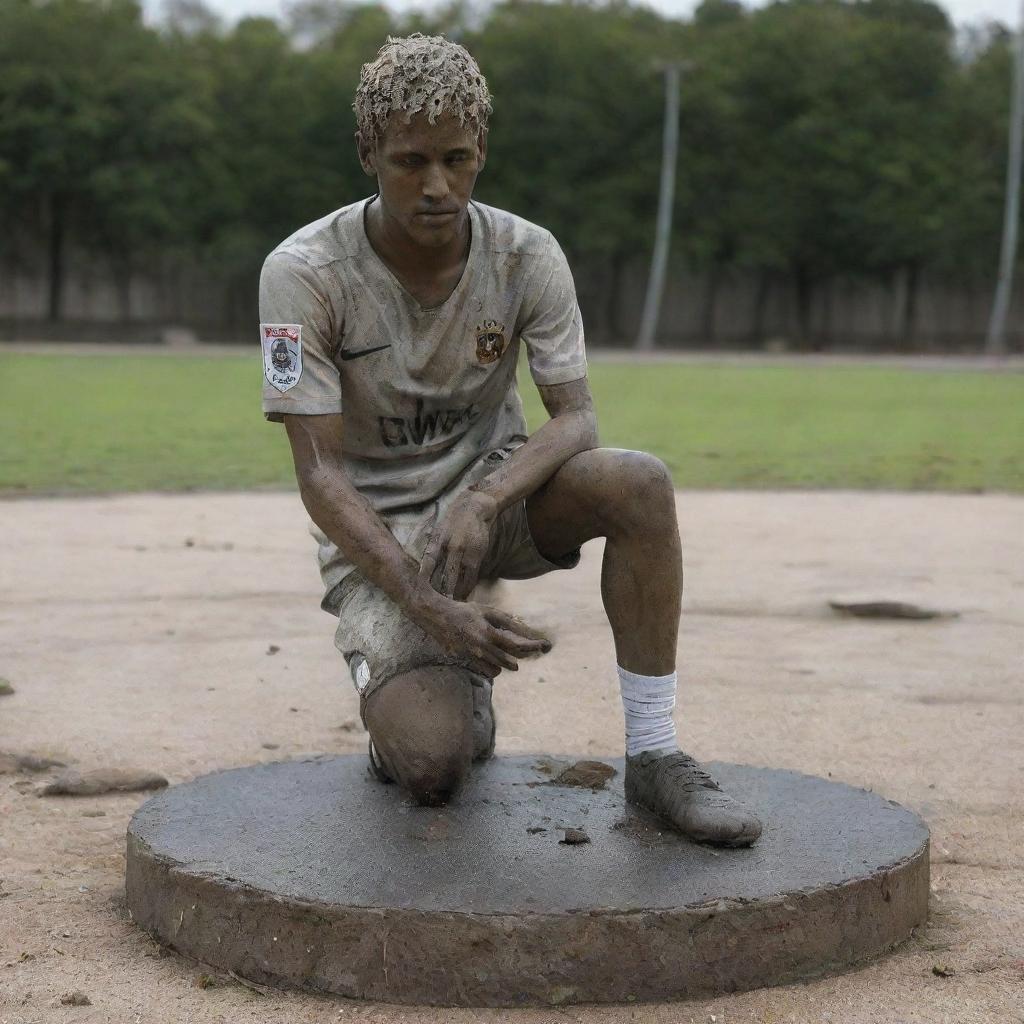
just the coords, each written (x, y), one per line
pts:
(726, 310)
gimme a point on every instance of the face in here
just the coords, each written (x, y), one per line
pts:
(425, 175)
(280, 355)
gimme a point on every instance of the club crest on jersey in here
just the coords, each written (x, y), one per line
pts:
(490, 341)
(282, 354)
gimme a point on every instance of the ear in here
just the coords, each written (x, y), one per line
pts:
(481, 149)
(367, 155)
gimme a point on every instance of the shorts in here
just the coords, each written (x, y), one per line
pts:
(374, 635)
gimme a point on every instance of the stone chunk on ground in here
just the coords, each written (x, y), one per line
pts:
(103, 780)
(11, 763)
(887, 609)
(574, 837)
(76, 998)
(585, 774)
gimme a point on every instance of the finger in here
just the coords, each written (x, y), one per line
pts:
(482, 668)
(475, 657)
(503, 658)
(496, 617)
(516, 645)
(430, 556)
(450, 571)
(469, 575)
(483, 661)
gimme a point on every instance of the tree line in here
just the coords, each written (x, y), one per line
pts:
(818, 138)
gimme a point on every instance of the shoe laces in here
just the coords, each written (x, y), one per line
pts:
(685, 770)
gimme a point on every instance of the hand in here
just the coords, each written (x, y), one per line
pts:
(488, 639)
(458, 545)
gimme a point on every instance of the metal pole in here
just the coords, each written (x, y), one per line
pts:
(995, 341)
(666, 196)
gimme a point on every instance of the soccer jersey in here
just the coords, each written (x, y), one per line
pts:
(424, 392)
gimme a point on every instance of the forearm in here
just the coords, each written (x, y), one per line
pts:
(546, 450)
(349, 521)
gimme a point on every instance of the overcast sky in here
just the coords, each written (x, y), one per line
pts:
(961, 10)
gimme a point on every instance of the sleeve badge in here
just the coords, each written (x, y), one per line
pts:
(282, 354)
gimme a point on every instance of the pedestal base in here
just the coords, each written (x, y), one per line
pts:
(311, 875)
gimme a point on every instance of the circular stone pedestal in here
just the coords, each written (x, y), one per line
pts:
(310, 874)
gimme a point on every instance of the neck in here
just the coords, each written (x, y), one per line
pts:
(393, 244)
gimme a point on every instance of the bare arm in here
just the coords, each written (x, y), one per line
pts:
(344, 515)
(488, 638)
(571, 429)
(460, 543)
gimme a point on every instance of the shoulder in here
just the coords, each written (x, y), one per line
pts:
(506, 233)
(330, 239)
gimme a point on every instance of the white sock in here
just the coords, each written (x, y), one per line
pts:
(647, 702)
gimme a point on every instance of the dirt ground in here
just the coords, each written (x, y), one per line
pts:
(137, 632)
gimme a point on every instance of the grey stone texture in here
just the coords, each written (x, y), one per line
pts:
(309, 874)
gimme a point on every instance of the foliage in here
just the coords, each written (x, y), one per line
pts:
(102, 132)
(818, 137)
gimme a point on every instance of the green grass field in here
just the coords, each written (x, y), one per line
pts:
(138, 422)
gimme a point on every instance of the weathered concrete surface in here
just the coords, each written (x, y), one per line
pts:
(308, 874)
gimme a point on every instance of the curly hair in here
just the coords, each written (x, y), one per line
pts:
(417, 73)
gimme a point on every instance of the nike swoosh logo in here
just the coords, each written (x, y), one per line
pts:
(360, 352)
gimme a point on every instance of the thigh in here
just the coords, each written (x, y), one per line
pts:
(580, 501)
(513, 554)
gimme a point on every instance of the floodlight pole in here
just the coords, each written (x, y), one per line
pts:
(666, 197)
(995, 340)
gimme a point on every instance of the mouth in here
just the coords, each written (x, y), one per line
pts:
(438, 216)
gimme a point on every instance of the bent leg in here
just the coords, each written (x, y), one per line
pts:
(421, 725)
(626, 497)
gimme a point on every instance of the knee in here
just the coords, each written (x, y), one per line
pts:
(421, 723)
(433, 776)
(646, 473)
(640, 492)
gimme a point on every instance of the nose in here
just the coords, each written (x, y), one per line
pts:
(435, 184)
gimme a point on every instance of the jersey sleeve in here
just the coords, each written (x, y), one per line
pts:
(297, 329)
(552, 328)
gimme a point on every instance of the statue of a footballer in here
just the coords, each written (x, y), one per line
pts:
(404, 314)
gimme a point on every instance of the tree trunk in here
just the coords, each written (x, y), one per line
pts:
(904, 308)
(707, 313)
(604, 302)
(898, 310)
(804, 293)
(123, 280)
(913, 278)
(55, 243)
(824, 339)
(615, 328)
(757, 332)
